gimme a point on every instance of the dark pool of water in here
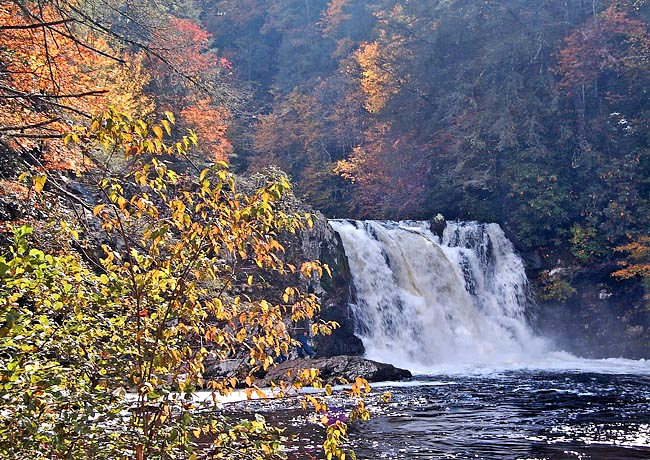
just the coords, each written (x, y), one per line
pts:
(515, 415)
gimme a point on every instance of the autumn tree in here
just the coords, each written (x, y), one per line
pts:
(637, 262)
(203, 93)
(50, 77)
(334, 16)
(639, 254)
(380, 164)
(611, 41)
(210, 124)
(103, 364)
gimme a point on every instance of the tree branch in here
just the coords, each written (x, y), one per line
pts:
(31, 97)
(37, 25)
(31, 126)
(55, 96)
(37, 136)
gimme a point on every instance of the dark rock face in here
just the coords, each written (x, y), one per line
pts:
(603, 318)
(437, 225)
(336, 292)
(335, 301)
(347, 367)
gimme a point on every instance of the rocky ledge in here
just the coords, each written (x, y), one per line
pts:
(332, 368)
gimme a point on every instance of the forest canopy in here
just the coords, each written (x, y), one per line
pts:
(525, 113)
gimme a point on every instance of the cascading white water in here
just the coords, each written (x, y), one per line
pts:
(422, 301)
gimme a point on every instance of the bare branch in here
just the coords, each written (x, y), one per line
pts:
(31, 126)
(32, 97)
(37, 25)
(37, 136)
(98, 92)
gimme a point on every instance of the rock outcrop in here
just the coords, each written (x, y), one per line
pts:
(343, 366)
(320, 242)
(336, 293)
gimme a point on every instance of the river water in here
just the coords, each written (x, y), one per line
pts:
(489, 414)
(513, 415)
(456, 309)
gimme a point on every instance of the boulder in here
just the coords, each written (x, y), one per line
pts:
(343, 366)
(437, 225)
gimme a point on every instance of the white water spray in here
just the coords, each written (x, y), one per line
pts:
(423, 301)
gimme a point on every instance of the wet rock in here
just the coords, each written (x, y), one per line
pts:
(336, 293)
(226, 368)
(437, 225)
(347, 367)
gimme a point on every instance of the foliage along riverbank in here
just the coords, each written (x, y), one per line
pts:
(160, 301)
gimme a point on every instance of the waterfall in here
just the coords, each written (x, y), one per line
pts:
(423, 301)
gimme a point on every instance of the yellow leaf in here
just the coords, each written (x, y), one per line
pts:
(167, 126)
(158, 131)
(39, 182)
(97, 209)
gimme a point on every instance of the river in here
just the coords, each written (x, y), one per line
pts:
(456, 309)
(597, 412)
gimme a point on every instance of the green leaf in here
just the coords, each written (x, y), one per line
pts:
(37, 253)
(24, 231)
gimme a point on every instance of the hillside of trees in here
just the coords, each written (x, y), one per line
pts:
(531, 114)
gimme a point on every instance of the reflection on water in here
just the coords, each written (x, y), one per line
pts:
(515, 415)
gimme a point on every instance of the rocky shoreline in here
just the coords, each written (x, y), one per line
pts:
(335, 368)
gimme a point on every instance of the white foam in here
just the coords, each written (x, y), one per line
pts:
(423, 302)
(450, 305)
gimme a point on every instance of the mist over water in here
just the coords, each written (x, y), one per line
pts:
(456, 303)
